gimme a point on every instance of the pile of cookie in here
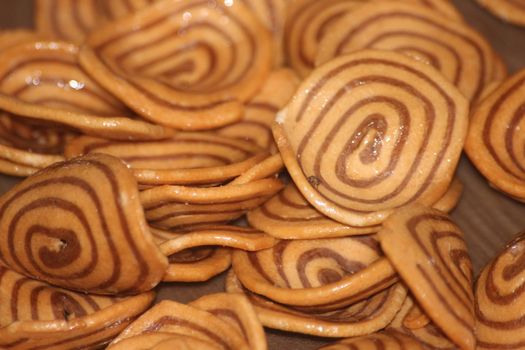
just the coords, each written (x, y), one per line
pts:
(308, 146)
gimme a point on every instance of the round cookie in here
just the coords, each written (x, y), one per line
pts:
(494, 143)
(80, 225)
(500, 304)
(387, 340)
(35, 315)
(452, 47)
(512, 11)
(365, 317)
(322, 274)
(186, 72)
(429, 253)
(42, 82)
(372, 131)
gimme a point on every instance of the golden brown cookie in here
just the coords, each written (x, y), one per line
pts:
(163, 341)
(260, 111)
(387, 340)
(188, 158)
(197, 254)
(210, 324)
(452, 47)
(14, 37)
(322, 274)
(365, 317)
(428, 335)
(512, 11)
(35, 315)
(183, 64)
(429, 253)
(370, 132)
(494, 143)
(80, 225)
(451, 198)
(42, 81)
(500, 304)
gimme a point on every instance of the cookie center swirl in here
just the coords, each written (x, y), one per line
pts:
(65, 307)
(57, 247)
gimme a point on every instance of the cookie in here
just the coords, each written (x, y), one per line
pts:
(362, 136)
(260, 111)
(388, 340)
(499, 299)
(80, 225)
(41, 81)
(494, 139)
(197, 254)
(217, 319)
(183, 64)
(452, 47)
(365, 317)
(322, 274)
(161, 340)
(429, 253)
(15, 37)
(35, 315)
(188, 158)
(512, 11)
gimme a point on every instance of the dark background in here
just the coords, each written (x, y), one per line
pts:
(488, 218)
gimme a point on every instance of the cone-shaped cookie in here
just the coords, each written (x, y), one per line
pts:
(512, 11)
(260, 111)
(372, 131)
(320, 274)
(209, 323)
(452, 47)
(184, 64)
(500, 304)
(42, 81)
(188, 158)
(495, 142)
(429, 253)
(387, 340)
(35, 315)
(79, 225)
(365, 317)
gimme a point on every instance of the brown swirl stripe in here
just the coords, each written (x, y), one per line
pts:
(384, 340)
(62, 222)
(260, 111)
(512, 11)
(456, 50)
(237, 311)
(438, 270)
(35, 315)
(189, 158)
(316, 274)
(499, 295)
(187, 72)
(398, 150)
(430, 336)
(187, 320)
(365, 317)
(42, 82)
(494, 138)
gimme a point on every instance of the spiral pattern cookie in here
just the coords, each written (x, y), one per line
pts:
(188, 158)
(370, 132)
(365, 317)
(42, 81)
(35, 315)
(437, 268)
(183, 64)
(260, 111)
(494, 140)
(210, 324)
(499, 299)
(452, 47)
(80, 225)
(512, 11)
(387, 340)
(322, 274)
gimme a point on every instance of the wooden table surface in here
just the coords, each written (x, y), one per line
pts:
(488, 218)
